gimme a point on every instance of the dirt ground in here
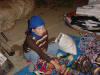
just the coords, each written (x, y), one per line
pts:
(54, 20)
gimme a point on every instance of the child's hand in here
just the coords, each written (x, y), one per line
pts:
(55, 63)
(44, 50)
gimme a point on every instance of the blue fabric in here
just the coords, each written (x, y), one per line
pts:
(31, 56)
(52, 49)
(35, 21)
(24, 71)
(77, 40)
(35, 35)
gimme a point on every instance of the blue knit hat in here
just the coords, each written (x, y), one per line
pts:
(35, 21)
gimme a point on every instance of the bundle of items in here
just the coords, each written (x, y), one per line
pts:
(83, 23)
(84, 19)
(81, 66)
(42, 67)
(5, 65)
(5, 50)
(92, 9)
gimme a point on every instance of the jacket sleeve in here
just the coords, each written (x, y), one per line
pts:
(31, 44)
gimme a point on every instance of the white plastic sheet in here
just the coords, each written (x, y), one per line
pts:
(89, 10)
(66, 43)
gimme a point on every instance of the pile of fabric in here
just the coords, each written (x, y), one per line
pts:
(42, 67)
(82, 65)
(85, 18)
(79, 64)
(83, 23)
(92, 9)
(48, 69)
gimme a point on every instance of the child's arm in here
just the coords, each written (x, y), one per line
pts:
(56, 64)
(31, 44)
(43, 43)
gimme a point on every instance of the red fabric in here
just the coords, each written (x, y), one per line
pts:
(27, 61)
(42, 69)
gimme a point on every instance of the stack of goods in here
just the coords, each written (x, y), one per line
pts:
(85, 19)
(92, 9)
(5, 65)
(90, 44)
(82, 64)
(44, 68)
(83, 23)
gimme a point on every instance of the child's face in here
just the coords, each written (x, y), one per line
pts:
(39, 30)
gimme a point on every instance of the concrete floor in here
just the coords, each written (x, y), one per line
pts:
(54, 19)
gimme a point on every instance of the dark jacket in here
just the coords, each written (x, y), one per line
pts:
(31, 43)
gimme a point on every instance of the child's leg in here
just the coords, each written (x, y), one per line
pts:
(52, 49)
(32, 56)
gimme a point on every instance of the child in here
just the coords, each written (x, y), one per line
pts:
(36, 42)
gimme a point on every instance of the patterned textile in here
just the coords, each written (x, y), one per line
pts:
(82, 64)
(90, 43)
(48, 69)
(82, 23)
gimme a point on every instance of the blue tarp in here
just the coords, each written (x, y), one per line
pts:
(24, 71)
